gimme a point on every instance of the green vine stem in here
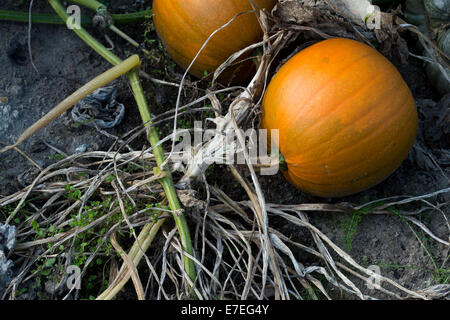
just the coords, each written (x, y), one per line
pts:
(102, 10)
(167, 181)
(85, 36)
(139, 16)
(85, 21)
(48, 18)
(152, 136)
(282, 162)
(91, 4)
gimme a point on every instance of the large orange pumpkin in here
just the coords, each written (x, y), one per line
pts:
(346, 117)
(185, 25)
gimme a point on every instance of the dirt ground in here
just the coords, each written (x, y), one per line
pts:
(65, 63)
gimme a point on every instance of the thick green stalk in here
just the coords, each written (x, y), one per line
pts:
(131, 17)
(166, 182)
(91, 4)
(36, 17)
(85, 36)
(101, 9)
(152, 136)
(48, 18)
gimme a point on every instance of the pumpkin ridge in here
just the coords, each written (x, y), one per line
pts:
(225, 48)
(355, 145)
(173, 50)
(343, 188)
(369, 113)
(324, 88)
(376, 130)
(229, 50)
(183, 18)
(204, 55)
(333, 183)
(335, 109)
(380, 125)
(193, 27)
(369, 174)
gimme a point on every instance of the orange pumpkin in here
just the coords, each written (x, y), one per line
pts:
(185, 25)
(346, 117)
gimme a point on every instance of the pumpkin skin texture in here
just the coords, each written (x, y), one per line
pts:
(184, 25)
(346, 117)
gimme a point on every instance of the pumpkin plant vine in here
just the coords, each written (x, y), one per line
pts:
(152, 134)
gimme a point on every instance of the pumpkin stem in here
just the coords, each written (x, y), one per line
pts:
(282, 162)
(48, 18)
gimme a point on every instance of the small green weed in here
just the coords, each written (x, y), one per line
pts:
(349, 225)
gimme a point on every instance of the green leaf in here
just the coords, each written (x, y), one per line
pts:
(50, 262)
